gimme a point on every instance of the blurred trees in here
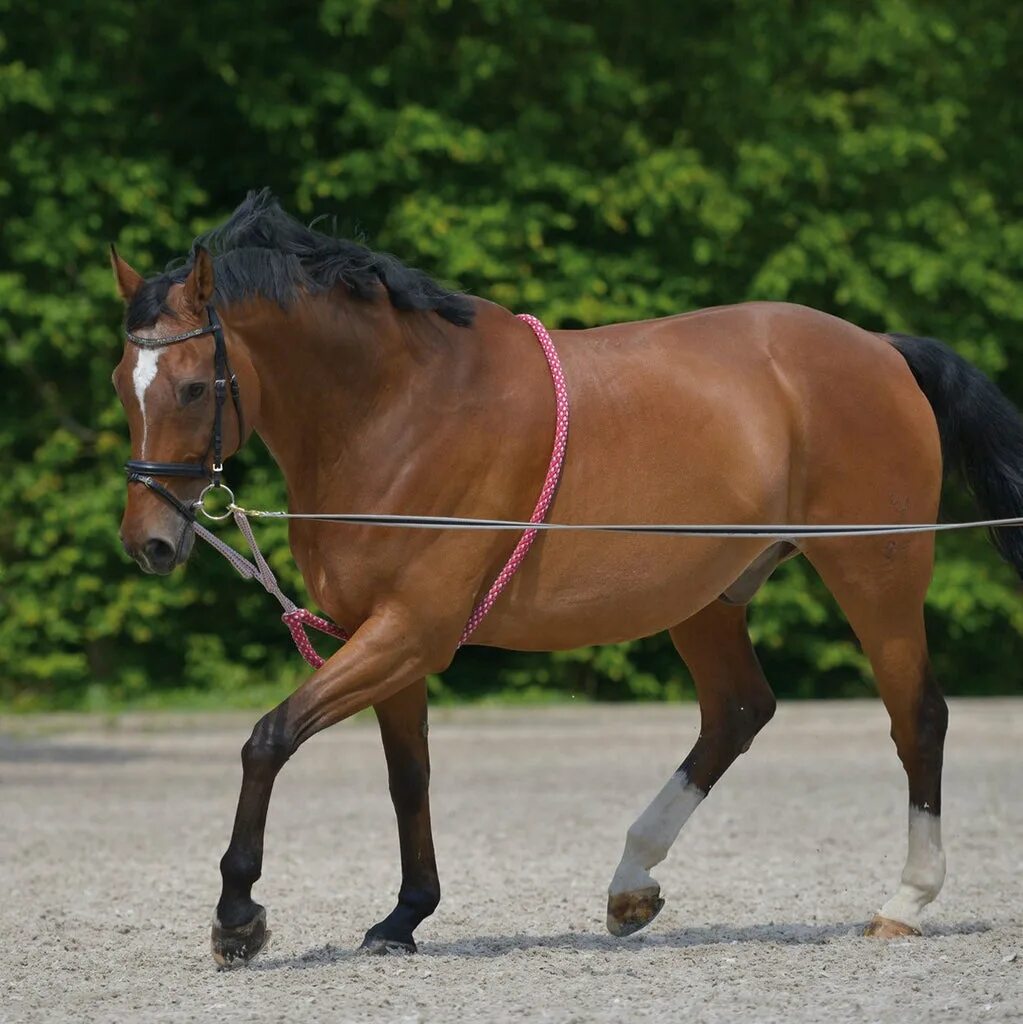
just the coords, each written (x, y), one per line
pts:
(586, 162)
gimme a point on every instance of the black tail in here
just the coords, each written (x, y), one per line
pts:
(981, 434)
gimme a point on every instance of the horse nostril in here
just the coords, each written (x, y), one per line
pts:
(159, 554)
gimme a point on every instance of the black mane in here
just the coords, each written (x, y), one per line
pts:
(262, 251)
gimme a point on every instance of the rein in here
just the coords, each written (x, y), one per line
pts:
(296, 619)
(775, 531)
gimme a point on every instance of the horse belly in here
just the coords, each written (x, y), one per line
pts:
(692, 441)
(609, 588)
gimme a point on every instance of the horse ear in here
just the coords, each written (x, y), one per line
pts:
(199, 283)
(129, 280)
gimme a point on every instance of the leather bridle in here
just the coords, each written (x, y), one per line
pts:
(143, 472)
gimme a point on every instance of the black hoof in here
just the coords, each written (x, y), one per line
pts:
(238, 946)
(378, 943)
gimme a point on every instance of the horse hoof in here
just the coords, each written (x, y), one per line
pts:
(238, 946)
(886, 928)
(377, 945)
(627, 912)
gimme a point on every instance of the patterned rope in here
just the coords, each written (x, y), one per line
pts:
(296, 619)
(550, 484)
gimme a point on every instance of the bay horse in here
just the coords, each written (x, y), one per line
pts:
(378, 390)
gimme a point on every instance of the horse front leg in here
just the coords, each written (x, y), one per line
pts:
(385, 655)
(403, 729)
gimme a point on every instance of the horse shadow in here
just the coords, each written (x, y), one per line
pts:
(489, 946)
(33, 751)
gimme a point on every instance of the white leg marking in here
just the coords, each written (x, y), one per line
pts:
(649, 839)
(924, 872)
(142, 376)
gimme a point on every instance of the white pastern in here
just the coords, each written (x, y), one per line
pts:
(142, 376)
(924, 872)
(651, 835)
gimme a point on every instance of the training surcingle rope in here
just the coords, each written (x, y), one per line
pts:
(297, 619)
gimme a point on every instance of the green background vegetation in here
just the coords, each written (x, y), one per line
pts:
(588, 162)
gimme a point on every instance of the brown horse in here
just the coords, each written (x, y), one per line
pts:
(377, 390)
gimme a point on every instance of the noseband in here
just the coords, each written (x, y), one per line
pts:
(142, 472)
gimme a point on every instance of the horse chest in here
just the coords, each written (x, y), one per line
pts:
(341, 574)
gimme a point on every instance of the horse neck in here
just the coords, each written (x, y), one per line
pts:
(341, 384)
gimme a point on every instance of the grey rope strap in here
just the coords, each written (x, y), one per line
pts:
(296, 619)
(778, 531)
(254, 570)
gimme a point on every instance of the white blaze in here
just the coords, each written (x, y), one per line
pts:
(651, 835)
(924, 872)
(142, 376)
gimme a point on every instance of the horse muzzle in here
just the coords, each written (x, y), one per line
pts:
(159, 554)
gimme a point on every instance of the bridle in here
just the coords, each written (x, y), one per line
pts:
(142, 472)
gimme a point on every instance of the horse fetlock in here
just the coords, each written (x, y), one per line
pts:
(420, 901)
(240, 871)
(631, 875)
(233, 947)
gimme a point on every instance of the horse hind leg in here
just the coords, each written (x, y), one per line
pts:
(735, 703)
(881, 589)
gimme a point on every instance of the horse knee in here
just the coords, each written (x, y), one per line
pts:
(727, 730)
(267, 749)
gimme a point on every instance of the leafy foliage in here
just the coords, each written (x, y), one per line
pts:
(586, 162)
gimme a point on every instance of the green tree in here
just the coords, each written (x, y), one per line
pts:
(586, 162)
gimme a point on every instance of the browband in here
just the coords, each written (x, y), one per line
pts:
(143, 342)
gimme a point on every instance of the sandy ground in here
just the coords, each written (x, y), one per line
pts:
(110, 837)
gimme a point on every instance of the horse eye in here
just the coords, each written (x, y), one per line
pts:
(194, 390)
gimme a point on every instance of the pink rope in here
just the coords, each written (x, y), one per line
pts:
(296, 619)
(550, 484)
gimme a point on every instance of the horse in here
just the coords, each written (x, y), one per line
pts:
(377, 389)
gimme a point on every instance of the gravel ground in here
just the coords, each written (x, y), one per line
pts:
(110, 835)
